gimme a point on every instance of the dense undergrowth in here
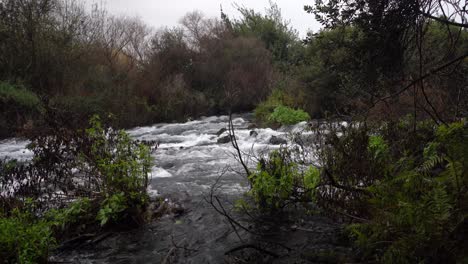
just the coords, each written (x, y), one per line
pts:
(401, 187)
(77, 182)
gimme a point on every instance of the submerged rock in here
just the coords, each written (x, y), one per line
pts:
(224, 140)
(274, 140)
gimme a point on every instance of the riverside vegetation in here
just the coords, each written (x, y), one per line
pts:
(395, 173)
(46, 200)
(404, 191)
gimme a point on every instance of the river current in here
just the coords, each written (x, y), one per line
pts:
(189, 159)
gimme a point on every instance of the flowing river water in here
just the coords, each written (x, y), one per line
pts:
(188, 161)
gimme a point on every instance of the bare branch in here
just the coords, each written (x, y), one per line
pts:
(448, 22)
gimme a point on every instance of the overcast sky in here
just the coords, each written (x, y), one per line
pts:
(160, 13)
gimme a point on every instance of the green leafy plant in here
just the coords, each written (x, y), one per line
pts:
(278, 182)
(109, 188)
(112, 209)
(408, 199)
(19, 96)
(25, 238)
(287, 116)
(77, 212)
(123, 166)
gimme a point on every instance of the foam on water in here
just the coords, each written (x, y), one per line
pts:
(15, 149)
(188, 157)
(160, 173)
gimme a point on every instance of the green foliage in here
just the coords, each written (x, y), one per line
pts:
(123, 167)
(112, 209)
(278, 181)
(377, 147)
(264, 109)
(287, 116)
(415, 196)
(19, 96)
(17, 105)
(77, 212)
(275, 32)
(116, 192)
(312, 179)
(25, 239)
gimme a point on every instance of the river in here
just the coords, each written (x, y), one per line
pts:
(187, 162)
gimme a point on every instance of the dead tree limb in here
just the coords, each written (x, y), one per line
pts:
(444, 21)
(232, 135)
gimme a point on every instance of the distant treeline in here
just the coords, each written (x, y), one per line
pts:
(64, 60)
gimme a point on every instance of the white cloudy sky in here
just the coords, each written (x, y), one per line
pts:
(160, 13)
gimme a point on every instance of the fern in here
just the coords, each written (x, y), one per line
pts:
(416, 213)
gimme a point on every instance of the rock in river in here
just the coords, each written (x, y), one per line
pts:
(224, 140)
(222, 130)
(253, 133)
(274, 140)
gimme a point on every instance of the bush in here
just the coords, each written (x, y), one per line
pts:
(420, 210)
(278, 181)
(404, 188)
(103, 171)
(123, 167)
(276, 99)
(17, 106)
(19, 96)
(25, 239)
(288, 116)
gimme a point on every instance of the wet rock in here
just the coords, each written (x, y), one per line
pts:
(221, 131)
(253, 133)
(274, 140)
(224, 140)
(252, 126)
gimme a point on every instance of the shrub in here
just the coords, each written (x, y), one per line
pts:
(25, 239)
(19, 96)
(277, 98)
(123, 167)
(18, 105)
(112, 209)
(278, 181)
(73, 218)
(404, 188)
(102, 170)
(287, 116)
(264, 109)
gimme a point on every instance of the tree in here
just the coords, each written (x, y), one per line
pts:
(271, 28)
(394, 32)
